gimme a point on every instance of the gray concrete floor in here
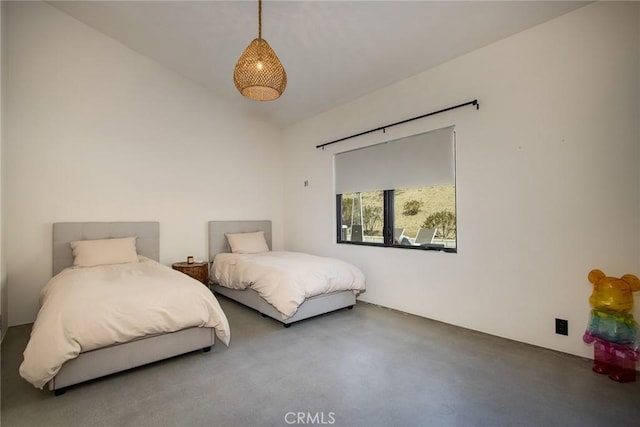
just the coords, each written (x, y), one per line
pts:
(368, 366)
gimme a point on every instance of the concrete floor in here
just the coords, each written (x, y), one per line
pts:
(368, 366)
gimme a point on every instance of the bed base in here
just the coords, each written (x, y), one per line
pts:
(311, 307)
(105, 361)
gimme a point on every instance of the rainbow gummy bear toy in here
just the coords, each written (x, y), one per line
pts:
(612, 328)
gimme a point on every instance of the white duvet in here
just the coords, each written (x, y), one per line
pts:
(83, 309)
(286, 279)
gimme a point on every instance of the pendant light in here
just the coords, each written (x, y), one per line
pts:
(259, 75)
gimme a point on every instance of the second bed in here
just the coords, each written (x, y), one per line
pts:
(251, 275)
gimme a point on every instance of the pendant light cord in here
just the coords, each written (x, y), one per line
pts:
(260, 19)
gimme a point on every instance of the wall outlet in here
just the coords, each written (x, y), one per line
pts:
(562, 327)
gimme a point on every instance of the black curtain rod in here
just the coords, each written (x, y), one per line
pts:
(382, 128)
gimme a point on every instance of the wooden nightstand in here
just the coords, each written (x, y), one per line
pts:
(197, 270)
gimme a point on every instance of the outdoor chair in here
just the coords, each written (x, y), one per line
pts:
(425, 236)
(398, 234)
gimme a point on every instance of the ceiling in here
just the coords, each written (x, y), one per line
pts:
(333, 51)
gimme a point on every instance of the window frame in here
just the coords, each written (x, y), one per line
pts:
(387, 227)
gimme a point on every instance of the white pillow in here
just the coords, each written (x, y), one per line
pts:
(89, 253)
(247, 243)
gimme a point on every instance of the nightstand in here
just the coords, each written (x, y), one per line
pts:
(197, 270)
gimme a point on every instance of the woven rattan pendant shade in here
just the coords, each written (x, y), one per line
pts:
(259, 74)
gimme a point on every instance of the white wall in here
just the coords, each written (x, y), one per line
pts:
(548, 184)
(97, 132)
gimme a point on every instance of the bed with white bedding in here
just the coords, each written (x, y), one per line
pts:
(287, 286)
(107, 315)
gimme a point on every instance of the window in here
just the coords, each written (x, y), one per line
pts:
(362, 217)
(400, 193)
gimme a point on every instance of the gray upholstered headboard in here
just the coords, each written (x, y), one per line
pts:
(218, 241)
(147, 242)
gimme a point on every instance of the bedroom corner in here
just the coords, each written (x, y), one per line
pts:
(3, 273)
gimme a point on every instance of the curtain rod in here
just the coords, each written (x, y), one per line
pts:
(383, 128)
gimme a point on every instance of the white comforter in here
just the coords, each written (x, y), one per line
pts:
(83, 309)
(285, 279)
